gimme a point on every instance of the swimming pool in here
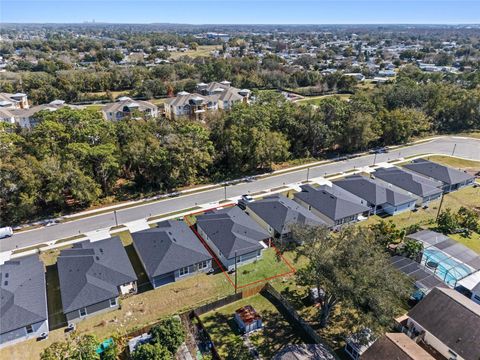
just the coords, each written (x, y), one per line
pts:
(446, 268)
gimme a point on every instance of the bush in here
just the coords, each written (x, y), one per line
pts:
(169, 333)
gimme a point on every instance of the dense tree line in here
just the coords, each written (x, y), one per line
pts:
(75, 158)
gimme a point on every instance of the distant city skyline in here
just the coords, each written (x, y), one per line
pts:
(243, 12)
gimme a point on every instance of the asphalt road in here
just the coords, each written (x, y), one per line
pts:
(462, 147)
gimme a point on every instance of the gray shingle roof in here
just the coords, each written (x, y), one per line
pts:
(332, 203)
(168, 247)
(281, 212)
(439, 172)
(409, 181)
(371, 191)
(22, 293)
(119, 105)
(91, 272)
(231, 230)
(452, 318)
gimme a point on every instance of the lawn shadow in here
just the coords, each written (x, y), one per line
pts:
(56, 317)
(143, 283)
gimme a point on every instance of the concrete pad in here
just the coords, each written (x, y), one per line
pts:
(384, 165)
(98, 235)
(5, 256)
(137, 225)
(321, 181)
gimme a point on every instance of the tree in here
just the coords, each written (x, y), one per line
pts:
(353, 270)
(169, 333)
(447, 221)
(411, 248)
(468, 219)
(76, 347)
(387, 233)
(151, 352)
(57, 351)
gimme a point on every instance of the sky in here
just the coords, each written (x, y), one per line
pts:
(242, 12)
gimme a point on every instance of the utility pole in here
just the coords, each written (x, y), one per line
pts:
(454, 147)
(439, 208)
(116, 220)
(235, 272)
(225, 188)
(308, 172)
(374, 158)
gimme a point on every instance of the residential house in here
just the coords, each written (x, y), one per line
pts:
(380, 199)
(208, 97)
(232, 234)
(278, 214)
(248, 319)
(125, 107)
(7, 116)
(23, 306)
(26, 118)
(451, 178)
(448, 322)
(410, 183)
(397, 346)
(13, 101)
(332, 204)
(170, 252)
(470, 286)
(93, 275)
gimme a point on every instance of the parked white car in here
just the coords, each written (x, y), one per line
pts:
(6, 232)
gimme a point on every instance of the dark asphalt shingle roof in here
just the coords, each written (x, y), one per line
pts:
(91, 272)
(231, 230)
(395, 346)
(452, 318)
(281, 212)
(445, 174)
(22, 293)
(331, 202)
(372, 191)
(168, 247)
(409, 181)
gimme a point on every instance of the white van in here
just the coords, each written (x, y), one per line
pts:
(6, 232)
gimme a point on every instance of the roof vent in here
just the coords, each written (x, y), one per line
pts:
(6, 275)
(5, 283)
(96, 257)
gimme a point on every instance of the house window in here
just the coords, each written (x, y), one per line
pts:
(113, 302)
(183, 271)
(476, 297)
(203, 265)
(29, 329)
(83, 312)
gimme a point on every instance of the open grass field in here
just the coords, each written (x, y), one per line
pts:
(316, 100)
(202, 51)
(276, 332)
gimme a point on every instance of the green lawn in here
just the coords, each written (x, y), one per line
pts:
(202, 51)
(473, 242)
(276, 332)
(269, 265)
(468, 197)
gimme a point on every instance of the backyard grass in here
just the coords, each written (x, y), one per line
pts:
(277, 332)
(268, 266)
(473, 242)
(467, 197)
(202, 51)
